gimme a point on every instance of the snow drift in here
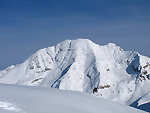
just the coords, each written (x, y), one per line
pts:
(21, 99)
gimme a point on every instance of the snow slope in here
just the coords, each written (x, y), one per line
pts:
(23, 99)
(81, 65)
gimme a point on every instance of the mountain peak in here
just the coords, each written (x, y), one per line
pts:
(74, 44)
(82, 65)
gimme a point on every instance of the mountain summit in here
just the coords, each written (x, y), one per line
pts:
(81, 65)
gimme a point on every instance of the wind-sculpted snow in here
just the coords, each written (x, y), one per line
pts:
(6, 106)
(23, 99)
(81, 65)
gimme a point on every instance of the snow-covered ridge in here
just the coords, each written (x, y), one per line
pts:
(81, 65)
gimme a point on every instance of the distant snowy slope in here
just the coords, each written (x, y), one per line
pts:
(81, 65)
(21, 99)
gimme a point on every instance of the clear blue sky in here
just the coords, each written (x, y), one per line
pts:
(29, 25)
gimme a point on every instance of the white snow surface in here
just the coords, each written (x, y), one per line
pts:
(81, 65)
(144, 99)
(27, 99)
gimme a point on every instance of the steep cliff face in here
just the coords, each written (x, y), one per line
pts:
(82, 65)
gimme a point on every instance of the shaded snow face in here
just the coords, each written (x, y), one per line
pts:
(82, 65)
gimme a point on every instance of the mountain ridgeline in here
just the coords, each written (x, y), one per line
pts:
(81, 65)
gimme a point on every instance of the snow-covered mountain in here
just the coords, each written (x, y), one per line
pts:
(81, 65)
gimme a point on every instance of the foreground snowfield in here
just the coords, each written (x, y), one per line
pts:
(24, 99)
